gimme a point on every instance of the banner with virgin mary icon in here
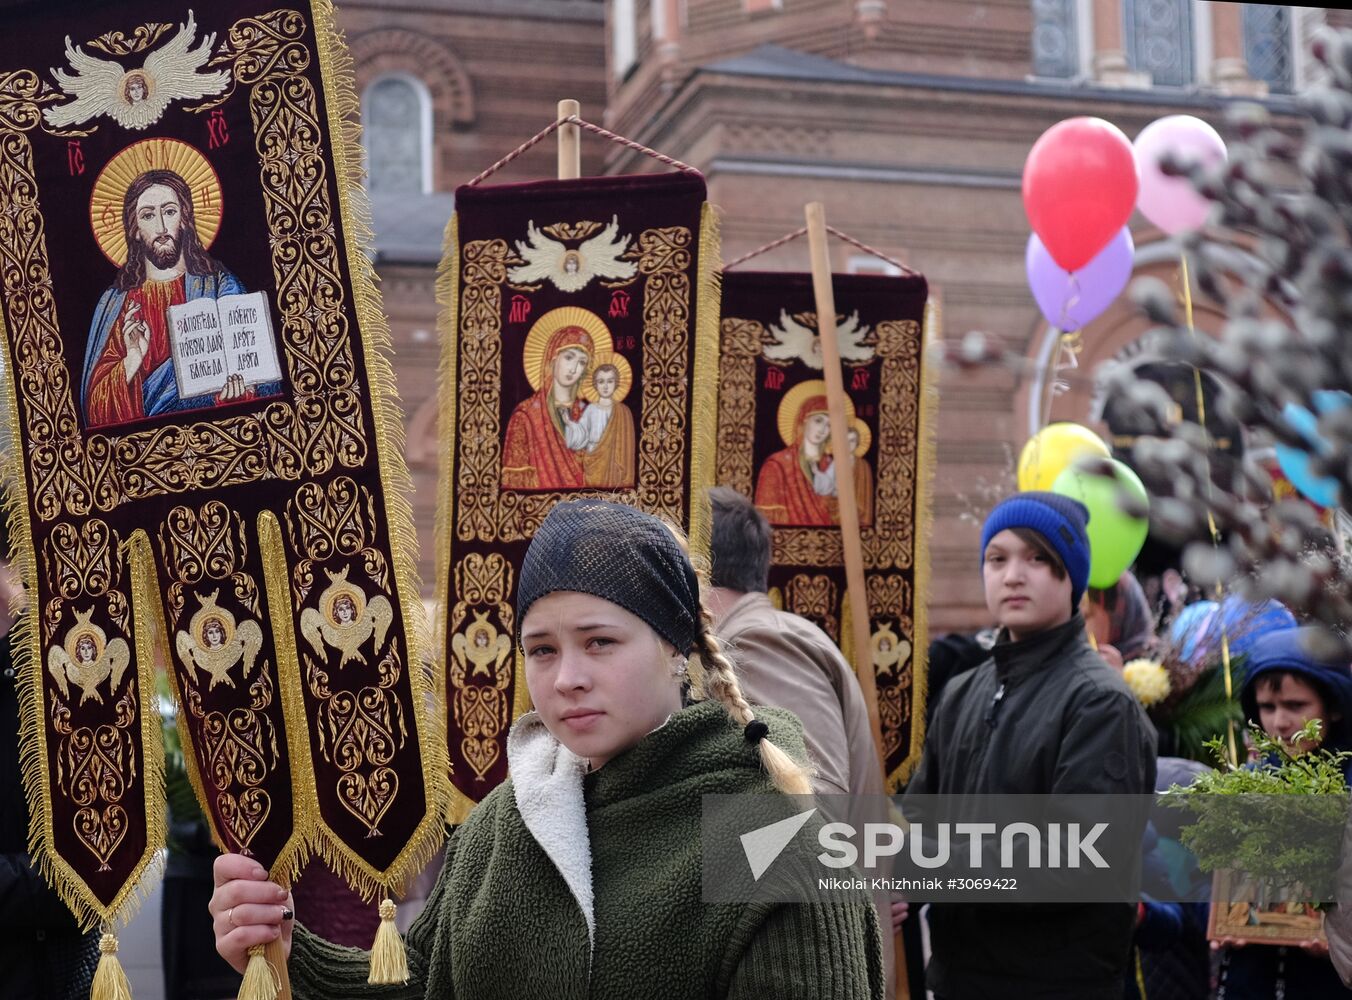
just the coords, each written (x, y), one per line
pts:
(774, 445)
(206, 468)
(579, 340)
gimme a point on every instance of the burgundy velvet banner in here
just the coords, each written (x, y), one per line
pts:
(206, 432)
(581, 333)
(774, 446)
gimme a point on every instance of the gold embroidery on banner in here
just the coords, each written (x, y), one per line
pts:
(325, 424)
(739, 346)
(485, 264)
(22, 95)
(359, 732)
(893, 653)
(892, 542)
(95, 766)
(238, 747)
(87, 658)
(214, 643)
(482, 711)
(488, 513)
(52, 448)
(571, 230)
(207, 455)
(346, 620)
(116, 43)
(889, 543)
(482, 667)
(814, 596)
(337, 520)
(265, 53)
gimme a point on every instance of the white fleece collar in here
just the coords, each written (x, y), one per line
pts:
(547, 780)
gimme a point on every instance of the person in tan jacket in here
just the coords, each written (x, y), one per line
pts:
(785, 661)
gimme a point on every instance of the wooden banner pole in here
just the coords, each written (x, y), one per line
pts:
(856, 588)
(840, 447)
(570, 142)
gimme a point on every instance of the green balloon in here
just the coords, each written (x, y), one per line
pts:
(1115, 537)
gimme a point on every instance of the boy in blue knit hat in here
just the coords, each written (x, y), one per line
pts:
(1035, 552)
(1044, 715)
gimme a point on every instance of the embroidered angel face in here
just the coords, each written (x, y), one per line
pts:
(599, 676)
(134, 89)
(86, 651)
(214, 633)
(344, 611)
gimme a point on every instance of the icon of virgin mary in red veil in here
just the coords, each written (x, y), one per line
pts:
(535, 454)
(796, 484)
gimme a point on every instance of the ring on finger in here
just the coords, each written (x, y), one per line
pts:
(230, 917)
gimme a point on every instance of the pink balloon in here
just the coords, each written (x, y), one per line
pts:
(1172, 203)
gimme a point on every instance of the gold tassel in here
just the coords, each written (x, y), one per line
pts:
(110, 981)
(260, 979)
(389, 960)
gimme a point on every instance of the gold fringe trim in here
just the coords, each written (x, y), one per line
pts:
(458, 804)
(926, 460)
(293, 852)
(704, 381)
(344, 107)
(304, 790)
(110, 979)
(26, 658)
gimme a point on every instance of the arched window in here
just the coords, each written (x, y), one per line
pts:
(1267, 45)
(397, 129)
(1056, 50)
(1160, 40)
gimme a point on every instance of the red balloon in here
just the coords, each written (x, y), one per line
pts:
(1079, 188)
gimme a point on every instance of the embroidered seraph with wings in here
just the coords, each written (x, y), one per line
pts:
(794, 341)
(136, 98)
(214, 643)
(346, 619)
(572, 270)
(87, 659)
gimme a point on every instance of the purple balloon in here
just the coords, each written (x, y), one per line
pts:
(1069, 301)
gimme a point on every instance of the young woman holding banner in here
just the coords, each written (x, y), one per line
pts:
(581, 875)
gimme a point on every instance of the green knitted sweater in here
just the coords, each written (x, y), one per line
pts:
(563, 885)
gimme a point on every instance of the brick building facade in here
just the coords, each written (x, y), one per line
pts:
(909, 119)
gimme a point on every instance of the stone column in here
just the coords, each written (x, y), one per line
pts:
(1110, 50)
(1229, 68)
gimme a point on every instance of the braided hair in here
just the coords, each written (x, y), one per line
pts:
(719, 681)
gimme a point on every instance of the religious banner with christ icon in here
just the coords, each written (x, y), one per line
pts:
(774, 445)
(206, 465)
(579, 337)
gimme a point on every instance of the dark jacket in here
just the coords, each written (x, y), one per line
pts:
(43, 955)
(1044, 715)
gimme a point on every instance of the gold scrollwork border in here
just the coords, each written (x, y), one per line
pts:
(485, 511)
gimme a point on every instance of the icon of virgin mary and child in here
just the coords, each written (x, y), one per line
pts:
(797, 485)
(574, 431)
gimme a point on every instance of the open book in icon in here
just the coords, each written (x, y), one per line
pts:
(213, 339)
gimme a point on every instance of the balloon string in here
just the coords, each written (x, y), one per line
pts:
(1210, 518)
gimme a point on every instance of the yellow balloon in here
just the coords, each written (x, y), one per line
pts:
(1052, 450)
